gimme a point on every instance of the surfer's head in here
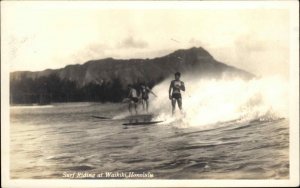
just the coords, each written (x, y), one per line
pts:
(129, 86)
(177, 75)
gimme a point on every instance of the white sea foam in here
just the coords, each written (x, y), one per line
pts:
(209, 101)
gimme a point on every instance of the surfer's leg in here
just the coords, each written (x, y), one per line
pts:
(129, 107)
(135, 108)
(143, 104)
(179, 101)
(173, 105)
(147, 105)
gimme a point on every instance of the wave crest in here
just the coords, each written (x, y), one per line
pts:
(209, 101)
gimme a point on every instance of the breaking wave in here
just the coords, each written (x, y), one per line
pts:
(211, 101)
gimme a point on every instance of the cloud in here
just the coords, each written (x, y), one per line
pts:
(262, 56)
(197, 42)
(86, 53)
(248, 43)
(130, 42)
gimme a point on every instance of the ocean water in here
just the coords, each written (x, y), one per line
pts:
(59, 140)
(229, 129)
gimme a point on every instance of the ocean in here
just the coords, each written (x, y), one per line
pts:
(246, 141)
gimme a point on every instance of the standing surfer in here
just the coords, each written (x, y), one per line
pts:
(145, 90)
(174, 92)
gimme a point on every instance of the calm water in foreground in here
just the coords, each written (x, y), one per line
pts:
(59, 140)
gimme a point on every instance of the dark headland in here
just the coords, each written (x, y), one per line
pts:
(106, 79)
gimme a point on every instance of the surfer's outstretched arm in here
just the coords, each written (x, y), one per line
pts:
(149, 90)
(153, 93)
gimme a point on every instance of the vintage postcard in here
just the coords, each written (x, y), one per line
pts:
(149, 93)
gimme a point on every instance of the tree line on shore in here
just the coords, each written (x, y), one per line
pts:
(48, 89)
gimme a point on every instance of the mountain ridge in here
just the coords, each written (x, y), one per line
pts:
(190, 61)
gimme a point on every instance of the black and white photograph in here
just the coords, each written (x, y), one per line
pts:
(149, 93)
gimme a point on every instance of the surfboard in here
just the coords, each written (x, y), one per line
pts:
(147, 117)
(141, 119)
(131, 117)
(138, 119)
(102, 117)
(142, 123)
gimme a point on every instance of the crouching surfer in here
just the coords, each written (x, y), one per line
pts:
(133, 97)
(145, 90)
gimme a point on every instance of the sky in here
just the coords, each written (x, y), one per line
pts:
(41, 35)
